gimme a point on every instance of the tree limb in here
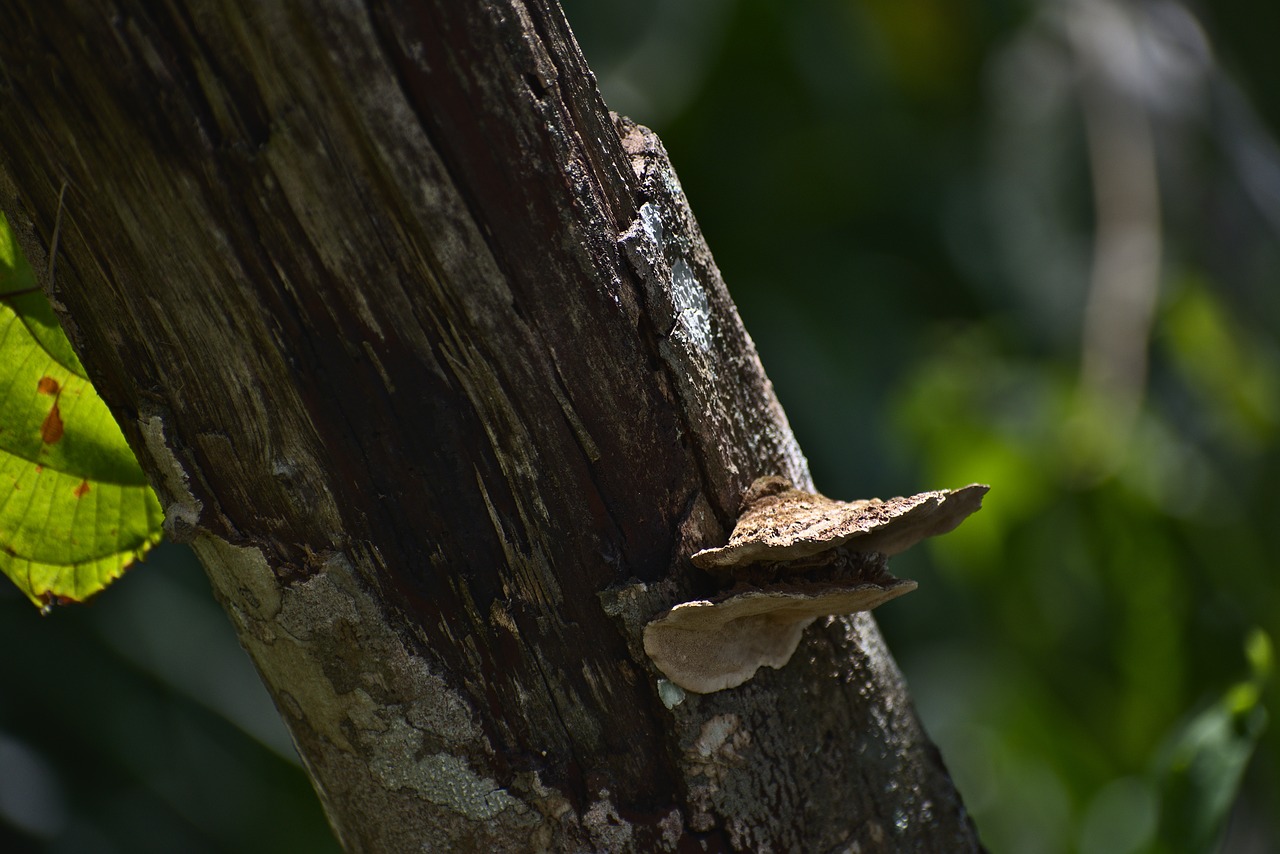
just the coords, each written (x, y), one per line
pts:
(423, 351)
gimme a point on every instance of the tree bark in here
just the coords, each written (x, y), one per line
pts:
(425, 355)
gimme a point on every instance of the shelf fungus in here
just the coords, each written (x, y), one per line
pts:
(794, 556)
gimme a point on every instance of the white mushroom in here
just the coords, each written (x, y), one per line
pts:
(806, 556)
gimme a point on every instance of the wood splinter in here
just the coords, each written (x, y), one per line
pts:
(793, 556)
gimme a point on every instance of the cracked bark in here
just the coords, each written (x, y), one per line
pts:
(426, 356)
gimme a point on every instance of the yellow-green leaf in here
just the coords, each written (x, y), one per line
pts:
(75, 508)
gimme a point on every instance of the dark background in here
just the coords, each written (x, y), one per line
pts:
(906, 198)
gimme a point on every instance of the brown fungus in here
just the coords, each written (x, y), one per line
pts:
(793, 556)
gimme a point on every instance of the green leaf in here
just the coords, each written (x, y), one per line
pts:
(1201, 765)
(75, 508)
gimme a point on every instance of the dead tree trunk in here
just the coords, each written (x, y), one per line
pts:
(427, 358)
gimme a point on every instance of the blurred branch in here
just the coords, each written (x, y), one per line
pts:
(1126, 264)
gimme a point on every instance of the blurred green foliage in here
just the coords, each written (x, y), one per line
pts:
(908, 199)
(137, 724)
(1032, 244)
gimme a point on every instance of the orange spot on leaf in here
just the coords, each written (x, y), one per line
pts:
(51, 427)
(39, 468)
(82, 489)
(47, 385)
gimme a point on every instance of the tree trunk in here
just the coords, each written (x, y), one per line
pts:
(425, 355)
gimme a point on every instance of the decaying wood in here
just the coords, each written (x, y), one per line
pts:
(426, 357)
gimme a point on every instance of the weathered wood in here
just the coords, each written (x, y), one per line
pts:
(426, 356)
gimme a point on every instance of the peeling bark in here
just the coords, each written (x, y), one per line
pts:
(426, 356)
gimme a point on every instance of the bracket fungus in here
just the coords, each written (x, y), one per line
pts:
(793, 556)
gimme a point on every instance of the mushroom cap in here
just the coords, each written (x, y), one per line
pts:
(711, 645)
(708, 646)
(781, 523)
